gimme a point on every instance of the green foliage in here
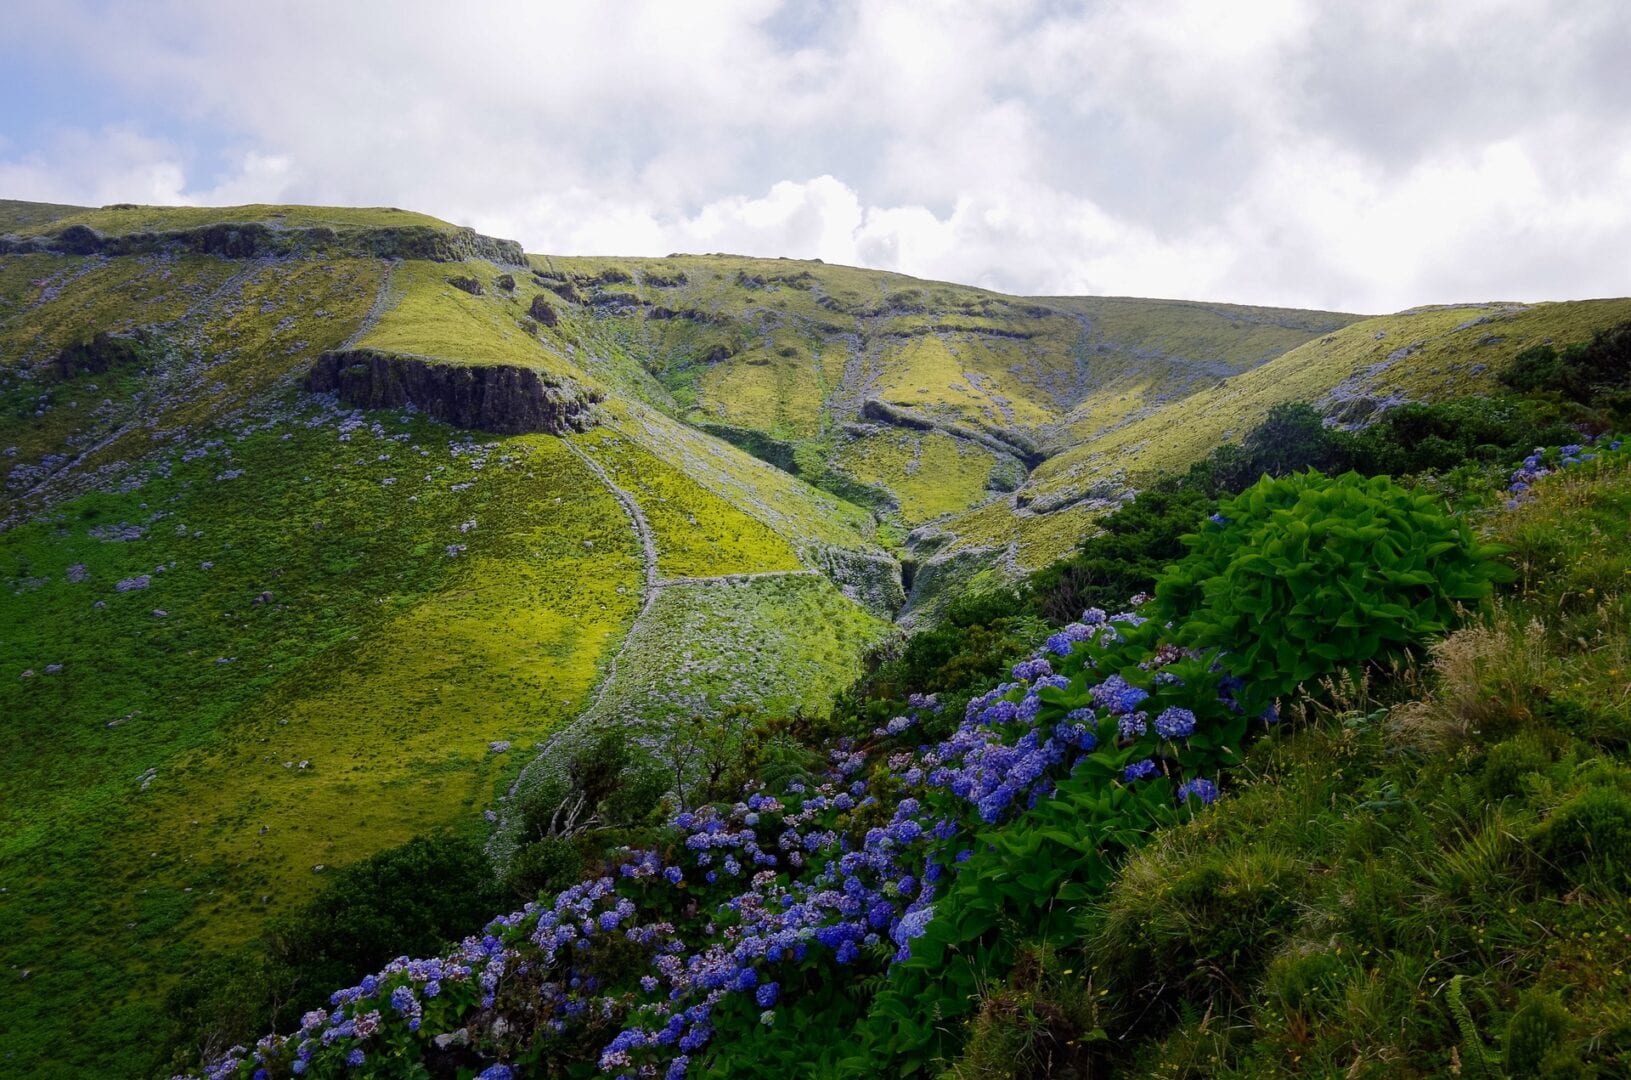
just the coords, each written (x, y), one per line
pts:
(1536, 1037)
(1134, 545)
(1589, 838)
(1589, 372)
(1475, 1057)
(406, 900)
(545, 866)
(1198, 929)
(1308, 575)
(1438, 437)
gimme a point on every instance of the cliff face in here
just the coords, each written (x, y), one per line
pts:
(248, 240)
(503, 399)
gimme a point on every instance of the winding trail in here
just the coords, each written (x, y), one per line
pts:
(649, 588)
(375, 310)
(498, 845)
(731, 579)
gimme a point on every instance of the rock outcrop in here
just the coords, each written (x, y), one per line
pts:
(254, 239)
(501, 398)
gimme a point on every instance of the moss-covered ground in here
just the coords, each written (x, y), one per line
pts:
(931, 473)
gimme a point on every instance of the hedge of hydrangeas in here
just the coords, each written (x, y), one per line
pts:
(1111, 728)
(844, 871)
(1543, 462)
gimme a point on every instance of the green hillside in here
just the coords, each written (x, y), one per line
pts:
(324, 529)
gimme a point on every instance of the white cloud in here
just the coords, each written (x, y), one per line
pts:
(1289, 151)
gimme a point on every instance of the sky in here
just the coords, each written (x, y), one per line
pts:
(1358, 156)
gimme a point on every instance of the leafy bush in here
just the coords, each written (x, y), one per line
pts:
(1307, 575)
(1136, 543)
(1583, 373)
(1439, 437)
(1536, 1036)
(1591, 832)
(411, 898)
(1197, 929)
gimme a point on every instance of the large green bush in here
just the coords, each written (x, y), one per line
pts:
(1306, 575)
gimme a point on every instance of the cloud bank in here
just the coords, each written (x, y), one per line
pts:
(1358, 157)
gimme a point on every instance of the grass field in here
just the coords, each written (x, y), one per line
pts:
(120, 220)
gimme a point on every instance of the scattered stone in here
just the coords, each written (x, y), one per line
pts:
(499, 746)
(160, 613)
(264, 598)
(318, 869)
(53, 669)
(505, 282)
(466, 284)
(129, 584)
(543, 311)
(78, 573)
(29, 674)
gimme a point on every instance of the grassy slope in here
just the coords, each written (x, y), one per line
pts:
(16, 214)
(426, 316)
(1428, 354)
(121, 219)
(793, 350)
(382, 662)
(1314, 921)
(230, 332)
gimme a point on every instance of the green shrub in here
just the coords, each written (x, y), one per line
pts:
(1195, 931)
(1591, 832)
(1595, 373)
(410, 899)
(1136, 544)
(546, 865)
(1536, 1032)
(1510, 763)
(1308, 575)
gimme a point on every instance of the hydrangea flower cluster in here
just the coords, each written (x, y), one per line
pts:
(1541, 462)
(745, 898)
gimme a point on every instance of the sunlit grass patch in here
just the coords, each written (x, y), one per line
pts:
(930, 473)
(301, 605)
(696, 532)
(116, 221)
(427, 316)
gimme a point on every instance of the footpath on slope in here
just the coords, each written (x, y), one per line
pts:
(503, 842)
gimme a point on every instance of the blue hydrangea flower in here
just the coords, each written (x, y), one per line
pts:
(1200, 787)
(1175, 723)
(1139, 770)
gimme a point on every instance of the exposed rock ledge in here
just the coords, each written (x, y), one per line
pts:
(499, 398)
(253, 239)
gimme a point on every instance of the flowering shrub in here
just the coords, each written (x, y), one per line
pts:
(1306, 575)
(1543, 462)
(921, 857)
(771, 893)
